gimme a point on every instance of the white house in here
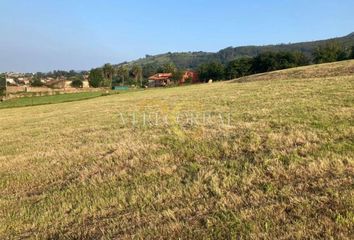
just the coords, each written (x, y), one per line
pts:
(11, 81)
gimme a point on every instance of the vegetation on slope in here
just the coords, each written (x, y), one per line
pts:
(282, 169)
(193, 59)
(343, 68)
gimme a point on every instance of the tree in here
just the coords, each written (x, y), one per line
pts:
(122, 75)
(271, 61)
(40, 75)
(301, 59)
(137, 73)
(36, 81)
(213, 70)
(2, 84)
(96, 78)
(108, 72)
(239, 68)
(77, 82)
(150, 69)
(351, 55)
(167, 68)
(177, 76)
(264, 62)
(330, 52)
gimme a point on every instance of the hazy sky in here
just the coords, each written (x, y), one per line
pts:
(43, 35)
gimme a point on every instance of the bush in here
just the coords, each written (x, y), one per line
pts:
(36, 82)
(77, 83)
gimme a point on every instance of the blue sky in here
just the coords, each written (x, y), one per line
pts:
(43, 35)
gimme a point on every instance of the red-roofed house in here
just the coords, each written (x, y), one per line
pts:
(164, 79)
(160, 79)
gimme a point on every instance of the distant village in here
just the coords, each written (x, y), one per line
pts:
(23, 82)
(26, 80)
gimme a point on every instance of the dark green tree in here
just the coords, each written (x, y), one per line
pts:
(212, 70)
(2, 84)
(239, 68)
(96, 78)
(265, 62)
(271, 61)
(351, 55)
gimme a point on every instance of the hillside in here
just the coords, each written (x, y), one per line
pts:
(281, 165)
(194, 59)
(343, 68)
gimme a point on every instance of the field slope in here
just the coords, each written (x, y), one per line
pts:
(281, 168)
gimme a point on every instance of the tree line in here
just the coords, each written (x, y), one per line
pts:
(61, 73)
(136, 75)
(271, 61)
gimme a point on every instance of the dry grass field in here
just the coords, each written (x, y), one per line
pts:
(282, 168)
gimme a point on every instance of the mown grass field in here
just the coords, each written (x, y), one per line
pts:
(282, 168)
(59, 98)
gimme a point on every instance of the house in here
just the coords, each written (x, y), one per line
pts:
(164, 79)
(11, 82)
(160, 80)
(23, 81)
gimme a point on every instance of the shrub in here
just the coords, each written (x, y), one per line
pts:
(36, 82)
(77, 83)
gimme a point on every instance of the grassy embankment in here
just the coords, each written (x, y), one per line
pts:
(283, 169)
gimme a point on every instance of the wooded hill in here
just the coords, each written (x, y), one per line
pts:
(191, 60)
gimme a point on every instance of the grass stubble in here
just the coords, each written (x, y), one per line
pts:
(283, 169)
